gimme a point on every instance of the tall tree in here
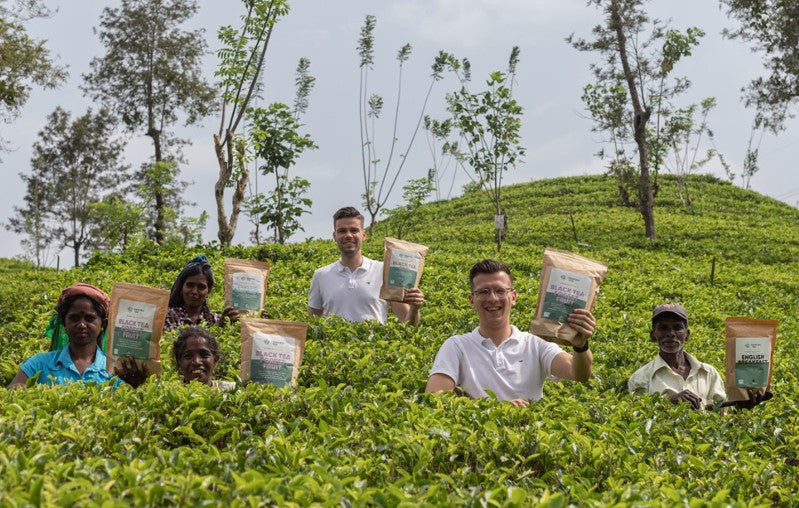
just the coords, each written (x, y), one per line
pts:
(772, 27)
(149, 75)
(242, 58)
(32, 219)
(75, 163)
(379, 176)
(277, 142)
(487, 126)
(638, 57)
(24, 61)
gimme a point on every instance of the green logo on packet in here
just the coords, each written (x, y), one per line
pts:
(246, 293)
(752, 357)
(133, 329)
(403, 268)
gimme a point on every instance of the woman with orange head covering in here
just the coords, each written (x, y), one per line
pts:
(83, 310)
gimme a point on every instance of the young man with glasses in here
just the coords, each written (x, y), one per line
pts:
(497, 356)
(350, 287)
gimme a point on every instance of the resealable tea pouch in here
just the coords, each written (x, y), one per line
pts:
(749, 355)
(245, 284)
(271, 351)
(568, 282)
(402, 268)
(135, 325)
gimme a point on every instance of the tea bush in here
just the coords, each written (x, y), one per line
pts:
(359, 431)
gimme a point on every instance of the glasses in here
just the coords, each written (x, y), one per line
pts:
(483, 293)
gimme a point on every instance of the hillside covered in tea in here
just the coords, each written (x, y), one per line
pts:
(358, 429)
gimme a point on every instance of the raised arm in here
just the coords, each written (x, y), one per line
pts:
(407, 311)
(576, 366)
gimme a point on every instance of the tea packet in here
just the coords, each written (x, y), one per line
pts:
(245, 284)
(135, 325)
(271, 351)
(402, 268)
(749, 355)
(568, 282)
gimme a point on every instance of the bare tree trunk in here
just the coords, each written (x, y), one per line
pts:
(645, 193)
(160, 222)
(225, 159)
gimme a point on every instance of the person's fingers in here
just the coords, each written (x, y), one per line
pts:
(583, 321)
(520, 402)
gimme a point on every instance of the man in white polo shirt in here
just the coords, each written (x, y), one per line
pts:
(350, 287)
(497, 356)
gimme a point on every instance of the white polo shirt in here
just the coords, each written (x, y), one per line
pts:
(354, 296)
(514, 370)
(657, 377)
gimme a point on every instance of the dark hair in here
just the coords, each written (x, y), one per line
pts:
(194, 331)
(63, 310)
(68, 302)
(488, 266)
(197, 266)
(347, 212)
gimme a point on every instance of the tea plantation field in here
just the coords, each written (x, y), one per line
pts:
(359, 431)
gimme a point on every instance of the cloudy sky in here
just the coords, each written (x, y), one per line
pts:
(551, 75)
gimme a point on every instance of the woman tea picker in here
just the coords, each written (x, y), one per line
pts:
(188, 298)
(196, 355)
(83, 311)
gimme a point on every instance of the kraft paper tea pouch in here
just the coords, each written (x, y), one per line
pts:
(402, 268)
(245, 284)
(135, 324)
(271, 351)
(749, 355)
(568, 282)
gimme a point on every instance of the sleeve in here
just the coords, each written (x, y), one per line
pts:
(638, 382)
(716, 391)
(547, 351)
(172, 320)
(33, 365)
(447, 360)
(315, 294)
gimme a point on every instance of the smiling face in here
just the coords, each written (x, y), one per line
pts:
(82, 322)
(197, 361)
(195, 291)
(493, 310)
(349, 235)
(670, 332)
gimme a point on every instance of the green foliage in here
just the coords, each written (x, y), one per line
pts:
(635, 86)
(241, 61)
(25, 61)
(116, 223)
(275, 138)
(771, 27)
(74, 164)
(358, 430)
(150, 74)
(415, 192)
(487, 126)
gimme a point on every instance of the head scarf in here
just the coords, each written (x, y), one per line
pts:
(176, 293)
(80, 289)
(55, 328)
